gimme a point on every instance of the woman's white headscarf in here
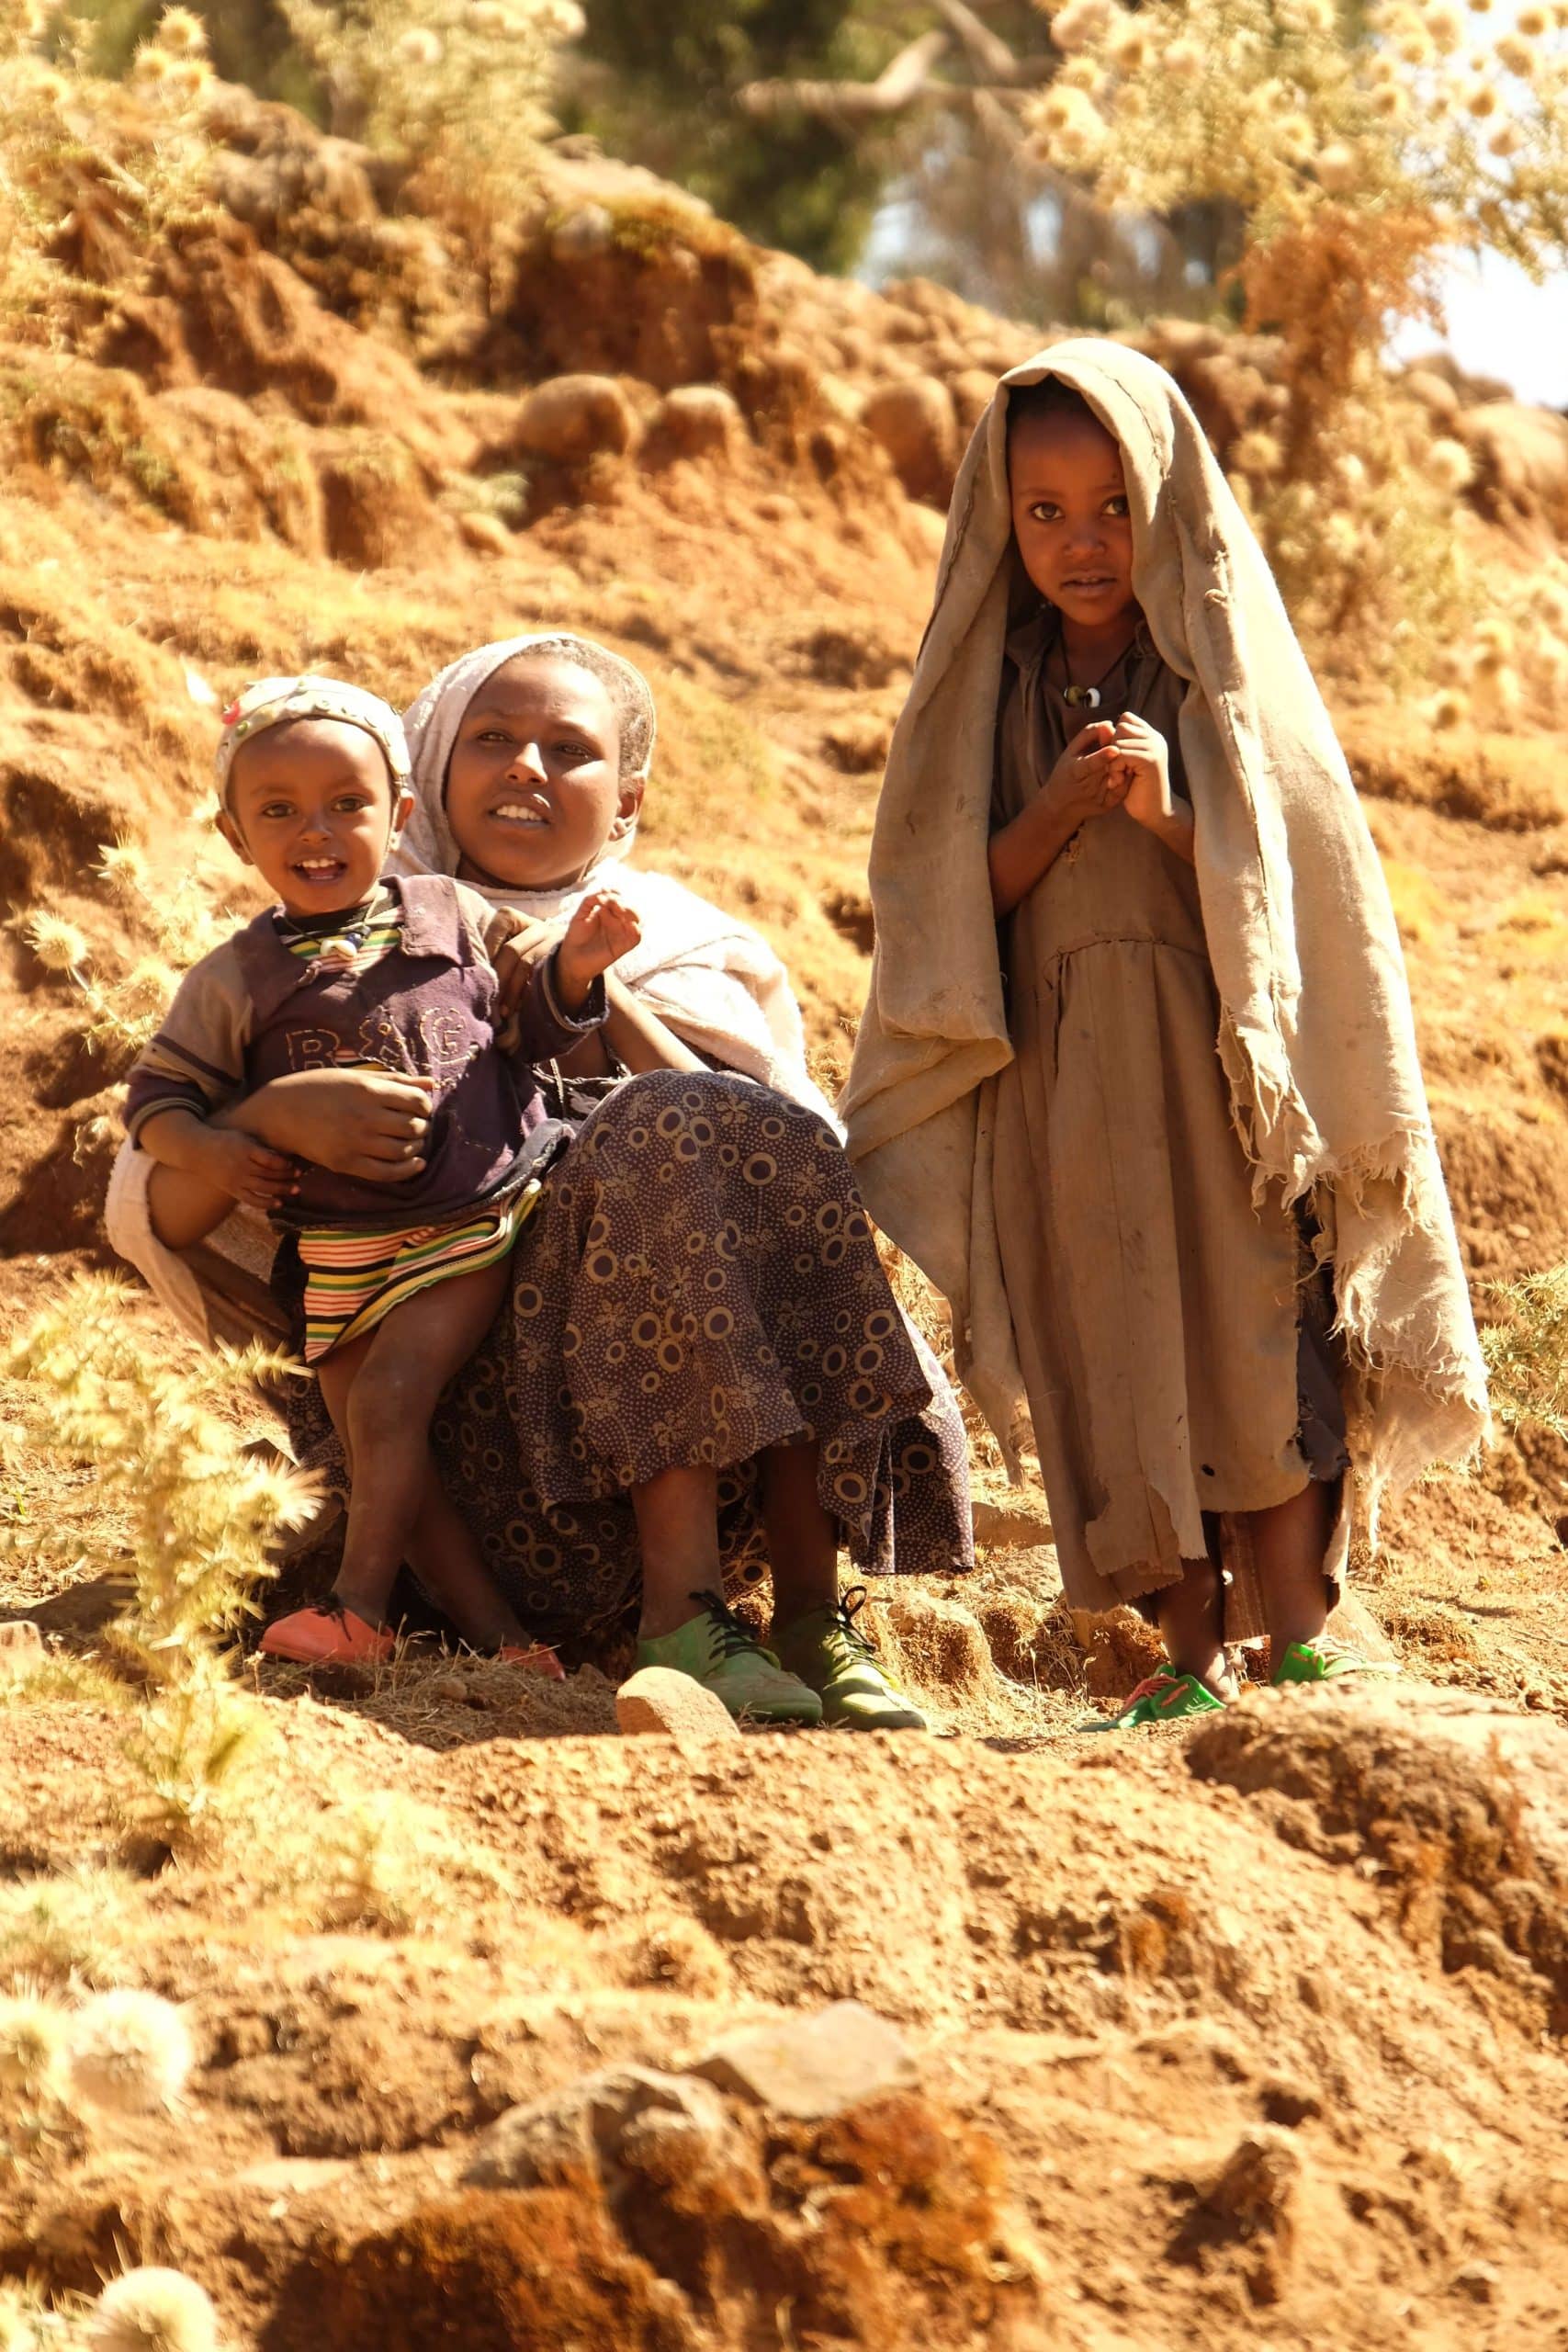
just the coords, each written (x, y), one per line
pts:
(1316, 1035)
(712, 978)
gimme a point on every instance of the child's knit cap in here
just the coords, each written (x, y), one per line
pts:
(272, 702)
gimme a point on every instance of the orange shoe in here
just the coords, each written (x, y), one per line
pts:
(328, 1637)
(535, 1659)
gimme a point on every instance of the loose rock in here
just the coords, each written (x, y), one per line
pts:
(697, 421)
(656, 1699)
(812, 2067)
(627, 2120)
(573, 418)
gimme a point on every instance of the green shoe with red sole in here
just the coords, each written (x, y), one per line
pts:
(1164, 1698)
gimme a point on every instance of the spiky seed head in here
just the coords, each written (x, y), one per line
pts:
(1449, 463)
(32, 2039)
(152, 2311)
(128, 2053)
(58, 945)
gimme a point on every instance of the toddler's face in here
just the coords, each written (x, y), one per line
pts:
(1070, 516)
(311, 807)
(534, 789)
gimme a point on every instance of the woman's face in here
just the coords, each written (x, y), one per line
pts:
(534, 788)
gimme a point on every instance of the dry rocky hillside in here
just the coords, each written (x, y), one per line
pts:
(1253, 2039)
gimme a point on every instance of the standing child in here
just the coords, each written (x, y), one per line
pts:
(352, 969)
(1138, 1083)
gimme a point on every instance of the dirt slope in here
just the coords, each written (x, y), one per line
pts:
(1256, 2041)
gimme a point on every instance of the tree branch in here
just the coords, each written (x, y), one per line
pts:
(897, 85)
(991, 55)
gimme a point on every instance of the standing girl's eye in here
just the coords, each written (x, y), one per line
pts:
(1044, 512)
(1118, 506)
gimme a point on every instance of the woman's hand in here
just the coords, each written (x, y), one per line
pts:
(366, 1123)
(1144, 768)
(603, 929)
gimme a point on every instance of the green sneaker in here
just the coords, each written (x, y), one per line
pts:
(828, 1650)
(1164, 1698)
(715, 1650)
(1323, 1659)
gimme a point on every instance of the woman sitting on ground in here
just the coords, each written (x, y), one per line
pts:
(700, 1367)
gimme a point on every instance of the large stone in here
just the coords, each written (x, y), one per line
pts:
(573, 418)
(914, 422)
(657, 1699)
(697, 421)
(629, 2120)
(809, 2068)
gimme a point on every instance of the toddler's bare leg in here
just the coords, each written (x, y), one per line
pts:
(381, 1393)
(182, 1209)
(1192, 1624)
(1289, 1542)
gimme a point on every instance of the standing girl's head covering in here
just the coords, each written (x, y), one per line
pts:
(1316, 1035)
(433, 719)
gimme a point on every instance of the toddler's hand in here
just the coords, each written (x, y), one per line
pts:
(515, 958)
(1086, 780)
(236, 1163)
(603, 929)
(1143, 764)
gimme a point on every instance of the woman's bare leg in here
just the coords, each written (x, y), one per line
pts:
(1290, 1543)
(1192, 1623)
(802, 1541)
(677, 1525)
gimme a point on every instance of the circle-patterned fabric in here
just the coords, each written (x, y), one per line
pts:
(699, 1283)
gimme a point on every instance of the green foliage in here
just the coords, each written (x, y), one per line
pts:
(659, 86)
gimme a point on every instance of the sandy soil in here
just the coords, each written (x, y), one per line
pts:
(1252, 2039)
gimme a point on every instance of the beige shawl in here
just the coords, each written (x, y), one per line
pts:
(1316, 1035)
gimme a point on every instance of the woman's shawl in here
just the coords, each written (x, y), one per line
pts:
(712, 978)
(1316, 1035)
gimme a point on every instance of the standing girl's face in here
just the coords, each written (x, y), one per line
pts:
(1070, 516)
(533, 788)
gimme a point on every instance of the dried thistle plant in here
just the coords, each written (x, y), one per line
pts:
(152, 2310)
(1526, 1350)
(196, 1512)
(76, 160)
(1356, 163)
(460, 86)
(183, 922)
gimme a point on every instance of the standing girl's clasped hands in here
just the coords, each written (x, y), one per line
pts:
(1120, 763)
